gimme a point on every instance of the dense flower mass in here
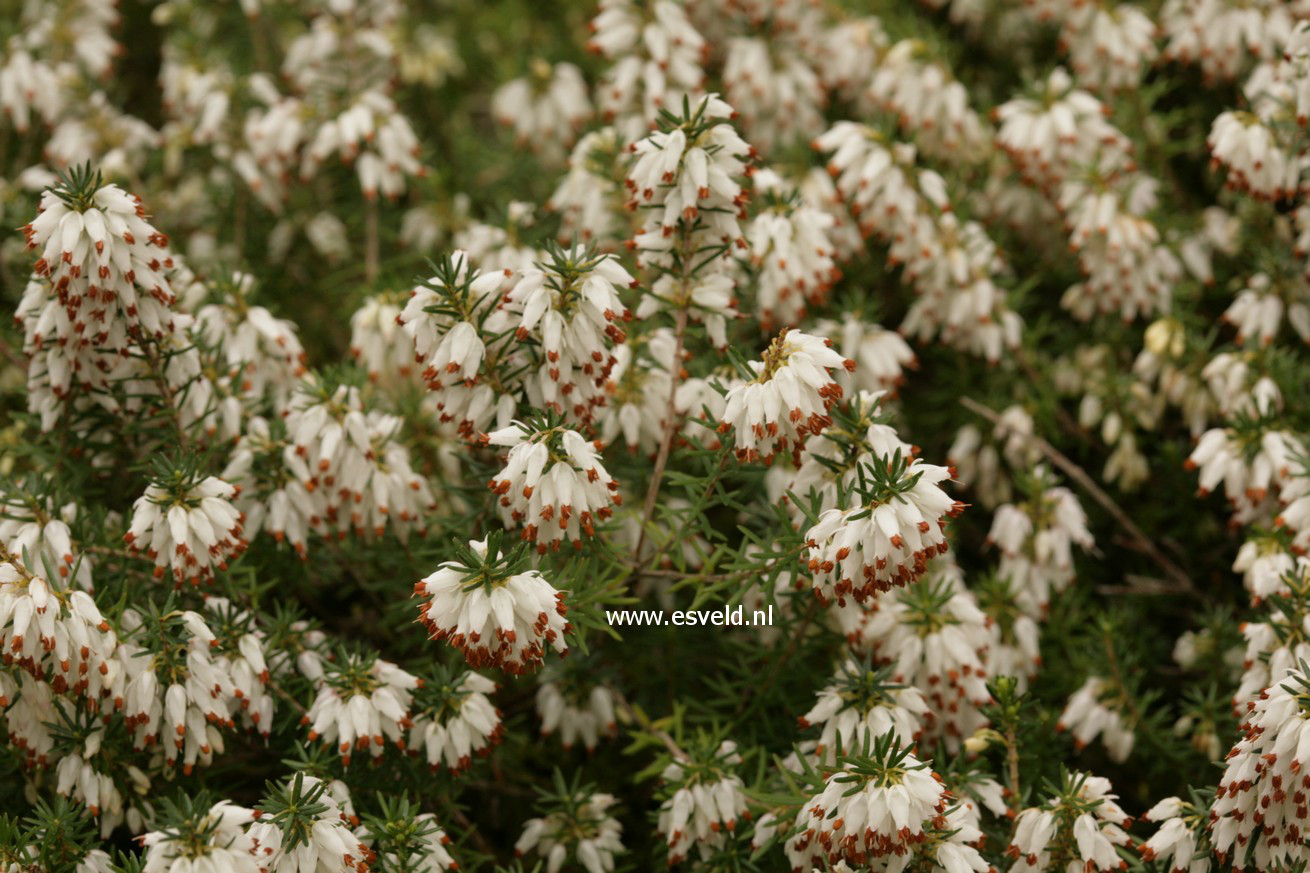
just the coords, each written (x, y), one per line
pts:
(787, 400)
(895, 412)
(455, 719)
(553, 484)
(896, 523)
(878, 808)
(1082, 822)
(1254, 820)
(361, 704)
(705, 805)
(187, 527)
(491, 607)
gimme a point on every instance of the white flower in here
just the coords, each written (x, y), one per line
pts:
(29, 705)
(685, 175)
(849, 53)
(1259, 812)
(1083, 816)
(1036, 539)
(553, 484)
(950, 264)
(896, 522)
(304, 651)
(362, 702)
(355, 462)
(241, 652)
(28, 86)
(582, 830)
(706, 802)
(1108, 47)
(1257, 162)
(1258, 309)
(454, 720)
(860, 706)
(978, 464)
(789, 246)
(880, 806)
(78, 778)
(879, 181)
(1015, 649)
(498, 249)
(196, 101)
(709, 297)
(881, 356)
(278, 493)
(1051, 133)
(772, 83)
(262, 354)
(446, 320)
(935, 638)
(931, 106)
(1097, 708)
(179, 690)
(830, 462)
(1223, 37)
(214, 840)
(326, 846)
(376, 343)
(187, 524)
(580, 713)
(639, 388)
(100, 131)
(788, 399)
(570, 309)
(1264, 562)
(493, 609)
(376, 137)
(657, 54)
(54, 633)
(1181, 834)
(1252, 465)
(1278, 642)
(545, 109)
(30, 523)
(102, 252)
(1240, 387)
(100, 284)
(1128, 271)
(588, 199)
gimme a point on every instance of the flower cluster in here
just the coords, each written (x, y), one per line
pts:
(1036, 540)
(895, 524)
(706, 801)
(454, 719)
(1095, 708)
(860, 706)
(787, 399)
(934, 637)
(362, 703)
(187, 525)
(1254, 818)
(577, 711)
(553, 484)
(579, 828)
(1081, 824)
(885, 804)
(490, 606)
